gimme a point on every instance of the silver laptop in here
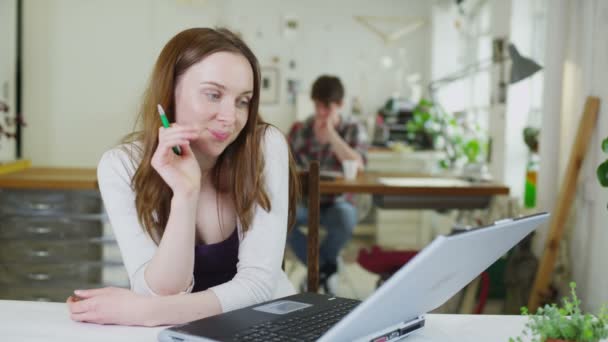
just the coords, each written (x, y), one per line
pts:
(394, 311)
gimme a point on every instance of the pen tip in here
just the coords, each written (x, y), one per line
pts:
(161, 111)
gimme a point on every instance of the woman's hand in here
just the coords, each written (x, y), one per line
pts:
(110, 305)
(182, 173)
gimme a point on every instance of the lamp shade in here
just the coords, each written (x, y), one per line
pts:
(521, 67)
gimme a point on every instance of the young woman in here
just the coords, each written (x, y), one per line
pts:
(202, 232)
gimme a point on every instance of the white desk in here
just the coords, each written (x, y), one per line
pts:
(35, 321)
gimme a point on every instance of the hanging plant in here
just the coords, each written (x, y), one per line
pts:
(602, 170)
(7, 122)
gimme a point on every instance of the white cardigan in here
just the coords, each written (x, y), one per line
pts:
(259, 275)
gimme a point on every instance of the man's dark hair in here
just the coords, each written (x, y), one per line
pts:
(327, 89)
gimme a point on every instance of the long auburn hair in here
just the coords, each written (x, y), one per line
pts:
(238, 170)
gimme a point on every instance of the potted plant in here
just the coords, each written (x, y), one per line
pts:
(602, 169)
(567, 323)
(431, 127)
(424, 127)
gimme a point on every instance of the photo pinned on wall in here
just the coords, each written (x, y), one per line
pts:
(269, 85)
(293, 88)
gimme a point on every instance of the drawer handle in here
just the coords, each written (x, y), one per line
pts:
(41, 299)
(40, 253)
(39, 230)
(38, 276)
(40, 206)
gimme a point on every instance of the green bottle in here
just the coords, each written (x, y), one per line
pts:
(531, 180)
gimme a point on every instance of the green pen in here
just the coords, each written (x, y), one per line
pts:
(165, 121)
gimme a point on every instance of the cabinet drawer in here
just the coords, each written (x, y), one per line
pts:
(48, 228)
(49, 202)
(43, 293)
(23, 251)
(37, 293)
(41, 274)
(113, 275)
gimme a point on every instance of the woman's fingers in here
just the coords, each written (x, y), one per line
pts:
(186, 149)
(82, 300)
(171, 137)
(90, 317)
(185, 135)
(175, 141)
(191, 131)
(93, 292)
(80, 306)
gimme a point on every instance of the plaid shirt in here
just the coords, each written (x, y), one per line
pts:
(305, 147)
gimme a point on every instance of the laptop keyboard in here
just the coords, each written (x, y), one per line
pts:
(305, 327)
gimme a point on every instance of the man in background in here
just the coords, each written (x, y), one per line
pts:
(330, 139)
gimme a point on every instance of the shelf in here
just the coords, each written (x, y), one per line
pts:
(13, 166)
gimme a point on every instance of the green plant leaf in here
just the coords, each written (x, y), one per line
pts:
(425, 103)
(602, 173)
(472, 149)
(605, 145)
(566, 322)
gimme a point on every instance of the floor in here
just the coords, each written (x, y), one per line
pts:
(356, 282)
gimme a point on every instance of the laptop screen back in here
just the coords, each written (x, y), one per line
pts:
(436, 274)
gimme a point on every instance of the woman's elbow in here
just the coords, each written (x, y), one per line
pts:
(140, 286)
(262, 288)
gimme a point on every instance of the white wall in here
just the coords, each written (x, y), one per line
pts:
(549, 140)
(577, 68)
(8, 57)
(449, 54)
(585, 72)
(86, 62)
(85, 66)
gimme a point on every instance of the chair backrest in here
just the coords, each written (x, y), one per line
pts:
(309, 182)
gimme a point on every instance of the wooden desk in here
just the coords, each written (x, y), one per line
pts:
(420, 195)
(50, 178)
(35, 321)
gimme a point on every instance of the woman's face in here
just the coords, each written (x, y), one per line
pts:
(214, 95)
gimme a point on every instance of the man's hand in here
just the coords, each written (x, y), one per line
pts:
(324, 131)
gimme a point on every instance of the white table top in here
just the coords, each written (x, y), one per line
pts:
(36, 321)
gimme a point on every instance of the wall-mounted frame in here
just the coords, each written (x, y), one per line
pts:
(269, 85)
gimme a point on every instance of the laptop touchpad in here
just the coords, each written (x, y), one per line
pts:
(282, 307)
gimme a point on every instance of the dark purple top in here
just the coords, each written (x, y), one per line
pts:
(215, 264)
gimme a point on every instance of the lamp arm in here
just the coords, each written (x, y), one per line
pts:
(460, 74)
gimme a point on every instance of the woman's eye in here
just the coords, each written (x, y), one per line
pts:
(243, 103)
(213, 96)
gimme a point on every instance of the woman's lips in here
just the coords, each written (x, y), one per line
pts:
(219, 135)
